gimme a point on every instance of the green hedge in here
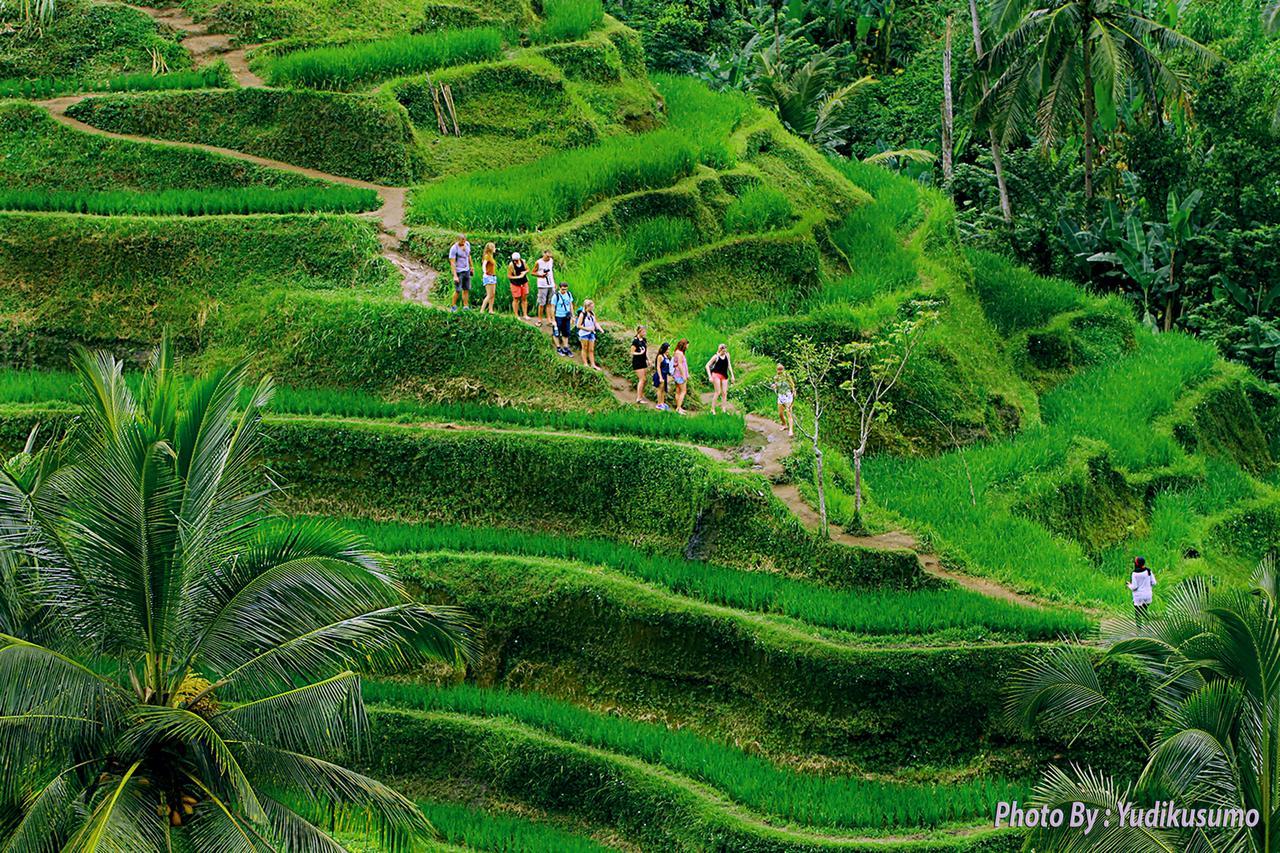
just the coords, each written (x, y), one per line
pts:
(596, 59)
(635, 491)
(1071, 342)
(646, 805)
(1230, 416)
(40, 153)
(367, 137)
(387, 344)
(118, 282)
(778, 269)
(1087, 499)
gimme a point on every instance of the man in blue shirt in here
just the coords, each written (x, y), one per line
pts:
(563, 304)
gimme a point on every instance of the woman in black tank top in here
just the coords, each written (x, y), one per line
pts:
(720, 373)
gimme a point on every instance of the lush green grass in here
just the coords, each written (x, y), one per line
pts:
(488, 830)
(555, 188)
(348, 65)
(1115, 403)
(831, 801)
(48, 87)
(562, 185)
(335, 199)
(958, 612)
(34, 386)
(566, 20)
(760, 208)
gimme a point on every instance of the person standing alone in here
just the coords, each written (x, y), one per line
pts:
(460, 262)
(1140, 584)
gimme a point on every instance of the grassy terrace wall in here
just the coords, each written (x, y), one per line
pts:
(368, 137)
(647, 805)
(40, 153)
(118, 282)
(389, 345)
(671, 498)
(754, 678)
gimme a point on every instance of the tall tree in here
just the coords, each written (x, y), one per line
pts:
(180, 671)
(1059, 58)
(997, 150)
(948, 109)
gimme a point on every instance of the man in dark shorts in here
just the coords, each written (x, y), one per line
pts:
(562, 303)
(460, 262)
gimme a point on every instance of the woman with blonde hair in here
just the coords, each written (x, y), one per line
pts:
(588, 329)
(489, 277)
(720, 372)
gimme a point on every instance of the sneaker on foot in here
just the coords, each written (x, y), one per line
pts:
(453, 309)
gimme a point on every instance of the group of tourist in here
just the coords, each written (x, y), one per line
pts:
(554, 303)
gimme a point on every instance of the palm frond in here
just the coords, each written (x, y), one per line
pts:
(317, 718)
(328, 792)
(1054, 686)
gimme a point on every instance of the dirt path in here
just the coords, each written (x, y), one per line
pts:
(773, 445)
(206, 47)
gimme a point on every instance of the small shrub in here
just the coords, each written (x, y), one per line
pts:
(758, 209)
(567, 20)
(342, 66)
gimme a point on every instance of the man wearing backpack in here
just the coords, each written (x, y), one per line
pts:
(562, 303)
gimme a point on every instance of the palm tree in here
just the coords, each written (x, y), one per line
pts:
(1057, 55)
(807, 97)
(177, 670)
(1213, 662)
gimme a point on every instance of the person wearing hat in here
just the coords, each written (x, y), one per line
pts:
(518, 278)
(562, 304)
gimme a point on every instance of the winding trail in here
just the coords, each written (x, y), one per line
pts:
(767, 443)
(417, 278)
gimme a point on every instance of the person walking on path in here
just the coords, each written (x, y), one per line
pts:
(640, 361)
(785, 388)
(588, 329)
(489, 276)
(680, 373)
(720, 371)
(544, 275)
(662, 375)
(518, 278)
(1140, 584)
(460, 263)
(562, 303)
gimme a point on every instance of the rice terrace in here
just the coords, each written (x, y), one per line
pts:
(639, 425)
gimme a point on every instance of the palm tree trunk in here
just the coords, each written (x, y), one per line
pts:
(997, 150)
(1090, 106)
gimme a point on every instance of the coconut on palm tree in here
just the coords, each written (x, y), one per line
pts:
(1212, 661)
(177, 668)
(1059, 60)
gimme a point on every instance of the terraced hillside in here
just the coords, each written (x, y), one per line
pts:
(673, 656)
